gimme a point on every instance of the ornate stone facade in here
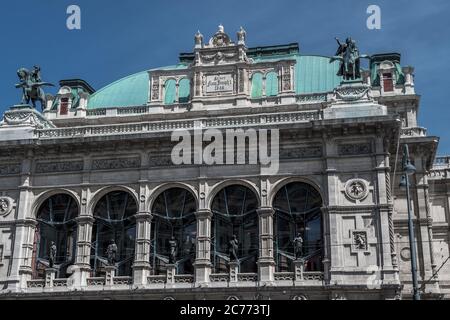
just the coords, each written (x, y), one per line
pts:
(339, 149)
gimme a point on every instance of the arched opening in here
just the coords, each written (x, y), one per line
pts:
(272, 84)
(184, 91)
(174, 231)
(298, 215)
(257, 85)
(234, 214)
(56, 234)
(114, 233)
(170, 91)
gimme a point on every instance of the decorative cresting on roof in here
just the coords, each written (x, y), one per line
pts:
(220, 39)
(220, 49)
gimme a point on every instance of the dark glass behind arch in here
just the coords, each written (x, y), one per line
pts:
(174, 216)
(56, 223)
(298, 210)
(234, 213)
(114, 221)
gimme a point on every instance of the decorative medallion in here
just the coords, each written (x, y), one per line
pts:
(6, 206)
(405, 253)
(232, 298)
(357, 189)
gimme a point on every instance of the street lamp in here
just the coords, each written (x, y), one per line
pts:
(409, 170)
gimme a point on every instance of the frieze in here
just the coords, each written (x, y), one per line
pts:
(10, 169)
(121, 163)
(68, 166)
(354, 149)
(302, 152)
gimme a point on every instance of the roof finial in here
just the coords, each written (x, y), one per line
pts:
(198, 39)
(221, 28)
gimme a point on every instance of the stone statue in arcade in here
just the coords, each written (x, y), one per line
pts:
(348, 54)
(111, 253)
(31, 84)
(233, 249)
(173, 244)
(298, 246)
(52, 255)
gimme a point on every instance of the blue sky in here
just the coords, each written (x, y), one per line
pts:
(119, 38)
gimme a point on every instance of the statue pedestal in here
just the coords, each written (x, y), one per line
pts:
(353, 99)
(109, 275)
(299, 267)
(234, 271)
(141, 272)
(171, 272)
(50, 276)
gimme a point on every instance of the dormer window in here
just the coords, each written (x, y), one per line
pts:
(64, 107)
(388, 82)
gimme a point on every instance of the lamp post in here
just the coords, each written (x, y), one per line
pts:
(409, 170)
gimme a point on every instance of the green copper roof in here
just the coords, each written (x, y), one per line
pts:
(130, 91)
(313, 74)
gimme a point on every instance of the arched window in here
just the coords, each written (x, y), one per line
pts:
(257, 85)
(272, 84)
(184, 90)
(298, 212)
(174, 224)
(56, 227)
(114, 225)
(234, 214)
(170, 91)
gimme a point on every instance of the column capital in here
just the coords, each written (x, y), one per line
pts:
(84, 219)
(265, 211)
(204, 213)
(28, 222)
(143, 216)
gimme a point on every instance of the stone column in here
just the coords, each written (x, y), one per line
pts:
(299, 267)
(203, 259)
(266, 261)
(82, 260)
(326, 244)
(25, 233)
(171, 272)
(141, 266)
(50, 276)
(109, 275)
(234, 271)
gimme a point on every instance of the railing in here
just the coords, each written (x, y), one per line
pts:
(313, 276)
(96, 112)
(157, 279)
(60, 283)
(97, 281)
(284, 276)
(219, 277)
(442, 161)
(135, 128)
(36, 284)
(414, 132)
(184, 278)
(123, 280)
(247, 277)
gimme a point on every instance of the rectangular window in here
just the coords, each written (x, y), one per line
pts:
(64, 108)
(388, 82)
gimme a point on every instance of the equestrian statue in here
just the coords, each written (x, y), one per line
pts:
(31, 84)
